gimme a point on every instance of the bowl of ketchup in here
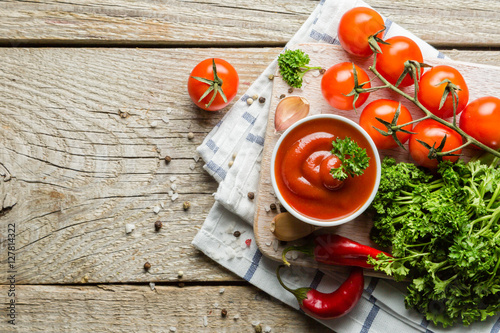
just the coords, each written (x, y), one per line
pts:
(301, 177)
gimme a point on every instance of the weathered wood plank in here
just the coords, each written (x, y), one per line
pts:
(78, 173)
(134, 308)
(175, 22)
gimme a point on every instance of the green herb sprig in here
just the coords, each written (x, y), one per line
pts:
(293, 66)
(354, 159)
(445, 236)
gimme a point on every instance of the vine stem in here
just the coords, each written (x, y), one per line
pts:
(428, 114)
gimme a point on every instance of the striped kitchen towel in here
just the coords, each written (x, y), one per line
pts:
(239, 139)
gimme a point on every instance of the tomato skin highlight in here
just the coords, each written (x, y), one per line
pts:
(480, 119)
(204, 69)
(432, 133)
(356, 26)
(338, 81)
(385, 109)
(430, 91)
(390, 63)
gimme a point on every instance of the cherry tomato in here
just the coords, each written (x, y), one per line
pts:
(432, 133)
(202, 77)
(356, 27)
(385, 109)
(431, 91)
(391, 62)
(338, 81)
(480, 119)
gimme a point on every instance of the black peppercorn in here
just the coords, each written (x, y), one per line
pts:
(251, 195)
(158, 225)
(147, 266)
(262, 100)
(168, 159)
(237, 233)
(223, 313)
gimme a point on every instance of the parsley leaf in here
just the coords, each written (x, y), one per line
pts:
(293, 66)
(354, 159)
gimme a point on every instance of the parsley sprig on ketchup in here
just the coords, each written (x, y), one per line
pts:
(322, 169)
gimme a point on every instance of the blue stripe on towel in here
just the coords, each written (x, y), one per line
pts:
(216, 169)
(212, 145)
(371, 316)
(388, 24)
(248, 117)
(496, 327)
(255, 138)
(253, 267)
(317, 279)
(372, 285)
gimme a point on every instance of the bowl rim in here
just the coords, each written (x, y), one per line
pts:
(318, 222)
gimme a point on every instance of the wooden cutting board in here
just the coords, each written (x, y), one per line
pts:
(482, 80)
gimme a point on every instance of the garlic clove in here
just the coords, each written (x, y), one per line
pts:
(289, 110)
(287, 227)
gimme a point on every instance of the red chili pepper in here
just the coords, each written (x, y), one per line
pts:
(332, 249)
(333, 305)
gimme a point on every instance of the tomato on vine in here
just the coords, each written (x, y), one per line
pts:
(213, 84)
(480, 119)
(443, 88)
(359, 31)
(431, 138)
(391, 61)
(340, 85)
(380, 116)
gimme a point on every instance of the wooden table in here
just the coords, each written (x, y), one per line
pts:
(92, 98)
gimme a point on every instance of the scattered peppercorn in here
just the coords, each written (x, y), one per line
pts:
(190, 135)
(322, 71)
(158, 225)
(258, 328)
(282, 209)
(230, 163)
(262, 100)
(290, 90)
(249, 101)
(282, 96)
(186, 205)
(251, 195)
(271, 76)
(181, 284)
(255, 96)
(123, 114)
(168, 159)
(147, 266)
(223, 313)
(272, 206)
(180, 274)
(237, 233)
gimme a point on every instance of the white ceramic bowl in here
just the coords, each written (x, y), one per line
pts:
(321, 222)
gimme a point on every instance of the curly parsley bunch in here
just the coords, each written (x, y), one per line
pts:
(445, 238)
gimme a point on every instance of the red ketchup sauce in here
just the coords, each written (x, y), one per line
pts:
(304, 158)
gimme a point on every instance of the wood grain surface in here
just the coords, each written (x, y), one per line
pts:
(460, 23)
(74, 173)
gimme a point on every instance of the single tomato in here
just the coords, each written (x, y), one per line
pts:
(391, 60)
(356, 27)
(432, 133)
(385, 109)
(213, 84)
(438, 81)
(480, 119)
(338, 82)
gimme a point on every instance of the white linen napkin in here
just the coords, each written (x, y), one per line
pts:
(238, 140)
